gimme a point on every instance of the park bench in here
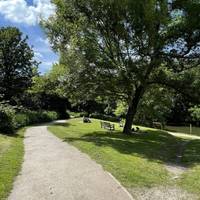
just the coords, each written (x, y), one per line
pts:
(107, 125)
(158, 125)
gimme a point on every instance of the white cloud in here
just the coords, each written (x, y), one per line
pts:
(19, 11)
(38, 55)
(46, 66)
(44, 41)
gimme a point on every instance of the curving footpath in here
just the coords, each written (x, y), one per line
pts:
(55, 170)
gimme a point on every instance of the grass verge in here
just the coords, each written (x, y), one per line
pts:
(11, 157)
(184, 129)
(133, 160)
(137, 160)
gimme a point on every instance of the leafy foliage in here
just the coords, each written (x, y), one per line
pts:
(12, 117)
(104, 117)
(47, 92)
(195, 113)
(17, 64)
(7, 118)
(120, 48)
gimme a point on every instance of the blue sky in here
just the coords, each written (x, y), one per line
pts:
(25, 14)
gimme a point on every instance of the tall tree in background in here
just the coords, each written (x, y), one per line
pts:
(121, 48)
(17, 65)
(47, 92)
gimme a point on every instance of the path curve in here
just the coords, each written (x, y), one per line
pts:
(55, 170)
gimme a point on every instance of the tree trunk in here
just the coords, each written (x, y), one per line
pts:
(132, 109)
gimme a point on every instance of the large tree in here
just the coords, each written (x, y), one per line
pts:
(120, 48)
(17, 64)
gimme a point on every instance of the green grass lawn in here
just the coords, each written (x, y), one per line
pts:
(191, 179)
(11, 156)
(184, 129)
(136, 160)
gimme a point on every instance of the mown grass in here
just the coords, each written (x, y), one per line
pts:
(137, 160)
(134, 160)
(184, 129)
(190, 180)
(11, 157)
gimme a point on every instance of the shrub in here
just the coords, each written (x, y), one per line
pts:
(33, 117)
(7, 121)
(47, 116)
(22, 120)
(104, 117)
(10, 120)
(84, 114)
(76, 114)
(64, 115)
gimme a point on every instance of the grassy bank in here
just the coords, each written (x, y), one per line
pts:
(191, 179)
(11, 157)
(184, 129)
(137, 160)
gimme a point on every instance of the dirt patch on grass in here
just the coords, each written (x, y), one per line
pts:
(4, 146)
(161, 193)
(175, 170)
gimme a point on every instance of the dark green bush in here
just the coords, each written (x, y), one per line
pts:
(10, 119)
(77, 114)
(65, 115)
(22, 120)
(33, 117)
(7, 118)
(104, 117)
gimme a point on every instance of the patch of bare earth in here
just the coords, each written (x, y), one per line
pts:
(161, 193)
(176, 169)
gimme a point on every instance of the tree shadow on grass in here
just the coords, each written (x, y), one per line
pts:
(156, 146)
(192, 152)
(12, 135)
(65, 124)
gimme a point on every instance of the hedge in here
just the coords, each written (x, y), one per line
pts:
(10, 120)
(105, 117)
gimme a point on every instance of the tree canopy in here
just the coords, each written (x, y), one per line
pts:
(121, 48)
(17, 64)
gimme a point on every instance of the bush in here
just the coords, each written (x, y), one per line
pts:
(104, 117)
(65, 115)
(22, 120)
(10, 120)
(47, 116)
(76, 114)
(33, 117)
(7, 121)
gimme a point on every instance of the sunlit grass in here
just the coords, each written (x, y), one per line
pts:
(184, 129)
(136, 160)
(11, 156)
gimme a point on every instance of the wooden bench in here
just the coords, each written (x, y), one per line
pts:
(158, 125)
(107, 125)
